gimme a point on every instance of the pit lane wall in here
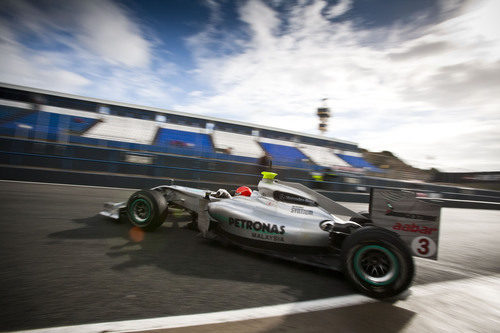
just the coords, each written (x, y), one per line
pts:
(42, 161)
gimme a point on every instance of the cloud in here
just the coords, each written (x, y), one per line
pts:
(421, 50)
(20, 66)
(262, 21)
(342, 7)
(469, 84)
(103, 28)
(418, 89)
(106, 29)
(91, 48)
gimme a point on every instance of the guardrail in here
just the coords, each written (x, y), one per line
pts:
(85, 160)
(43, 154)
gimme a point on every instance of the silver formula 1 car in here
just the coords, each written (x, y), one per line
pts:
(290, 221)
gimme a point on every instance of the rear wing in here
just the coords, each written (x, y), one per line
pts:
(415, 220)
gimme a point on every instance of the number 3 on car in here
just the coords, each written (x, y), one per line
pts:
(423, 246)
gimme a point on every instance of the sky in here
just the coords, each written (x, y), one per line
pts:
(418, 78)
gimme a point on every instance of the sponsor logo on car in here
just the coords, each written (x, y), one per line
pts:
(258, 227)
(414, 228)
(272, 238)
(300, 210)
(293, 199)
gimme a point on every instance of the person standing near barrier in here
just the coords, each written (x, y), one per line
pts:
(265, 163)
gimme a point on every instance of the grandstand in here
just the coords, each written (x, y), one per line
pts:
(324, 156)
(123, 129)
(44, 115)
(237, 144)
(183, 139)
(356, 160)
(284, 152)
(18, 119)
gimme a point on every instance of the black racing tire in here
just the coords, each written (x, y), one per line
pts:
(377, 262)
(147, 209)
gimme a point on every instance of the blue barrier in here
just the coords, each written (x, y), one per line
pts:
(128, 163)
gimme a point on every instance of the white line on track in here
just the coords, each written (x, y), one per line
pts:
(213, 317)
(492, 282)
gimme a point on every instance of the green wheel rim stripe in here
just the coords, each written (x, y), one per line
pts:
(392, 257)
(132, 212)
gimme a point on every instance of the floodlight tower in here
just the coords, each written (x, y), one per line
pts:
(324, 115)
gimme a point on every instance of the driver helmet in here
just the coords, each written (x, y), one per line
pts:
(244, 190)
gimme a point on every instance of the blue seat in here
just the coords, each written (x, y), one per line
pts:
(282, 153)
(47, 122)
(183, 140)
(358, 162)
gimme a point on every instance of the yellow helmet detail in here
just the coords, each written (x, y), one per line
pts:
(268, 175)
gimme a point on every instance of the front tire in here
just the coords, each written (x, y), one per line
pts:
(147, 209)
(377, 262)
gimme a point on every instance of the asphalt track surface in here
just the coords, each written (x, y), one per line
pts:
(61, 264)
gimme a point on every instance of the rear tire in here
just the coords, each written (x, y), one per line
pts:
(377, 262)
(147, 209)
